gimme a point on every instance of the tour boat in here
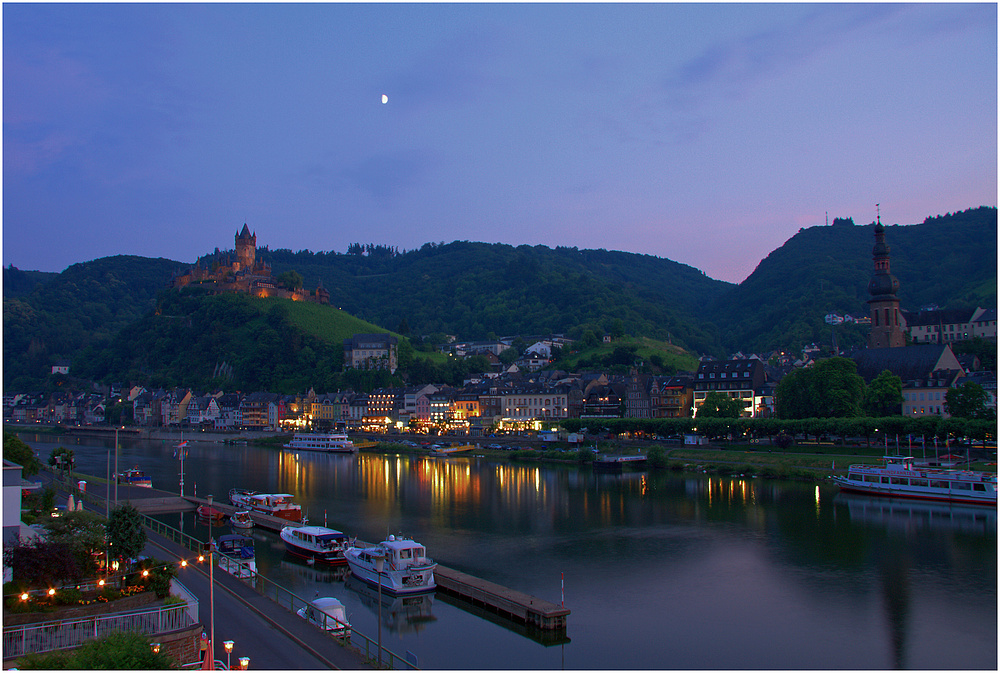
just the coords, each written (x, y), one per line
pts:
(241, 519)
(405, 566)
(134, 477)
(236, 555)
(316, 543)
(329, 443)
(328, 613)
(240, 497)
(276, 504)
(900, 478)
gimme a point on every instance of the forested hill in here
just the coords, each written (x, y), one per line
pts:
(475, 290)
(949, 260)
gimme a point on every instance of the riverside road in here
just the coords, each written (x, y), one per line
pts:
(267, 633)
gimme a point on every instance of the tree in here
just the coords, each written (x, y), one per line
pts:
(966, 401)
(42, 563)
(18, 452)
(126, 535)
(720, 405)
(62, 458)
(883, 395)
(829, 389)
(291, 280)
(83, 532)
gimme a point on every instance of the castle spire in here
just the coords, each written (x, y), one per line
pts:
(887, 323)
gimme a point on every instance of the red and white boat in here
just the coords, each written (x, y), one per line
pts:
(275, 504)
(900, 478)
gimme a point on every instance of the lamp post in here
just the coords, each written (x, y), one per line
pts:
(244, 663)
(211, 589)
(155, 647)
(228, 644)
(379, 564)
(116, 467)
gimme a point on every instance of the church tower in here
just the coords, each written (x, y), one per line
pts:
(246, 249)
(887, 330)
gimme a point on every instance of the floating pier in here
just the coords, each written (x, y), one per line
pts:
(508, 602)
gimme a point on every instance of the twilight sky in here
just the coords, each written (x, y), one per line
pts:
(703, 133)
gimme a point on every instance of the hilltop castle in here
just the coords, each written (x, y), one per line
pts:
(241, 271)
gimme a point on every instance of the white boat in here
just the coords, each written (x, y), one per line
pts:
(241, 519)
(240, 497)
(236, 555)
(275, 504)
(327, 613)
(326, 442)
(405, 566)
(316, 543)
(900, 478)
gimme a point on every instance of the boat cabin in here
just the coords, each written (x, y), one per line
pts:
(329, 539)
(271, 499)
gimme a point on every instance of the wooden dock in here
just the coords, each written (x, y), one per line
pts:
(508, 602)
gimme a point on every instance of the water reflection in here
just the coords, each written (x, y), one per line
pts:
(911, 516)
(400, 614)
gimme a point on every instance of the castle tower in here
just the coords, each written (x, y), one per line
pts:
(887, 324)
(246, 249)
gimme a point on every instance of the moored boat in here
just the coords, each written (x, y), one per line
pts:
(275, 504)
(405, 566)
(236, 555)
(206, 512)
(900, 478)
(240, 497)
(316, 543)
(241, 519)
(134, 477)
(325, 442)
(328, 613)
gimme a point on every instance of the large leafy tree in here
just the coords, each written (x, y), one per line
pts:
(83, 532)
(883, 396)
(720, 405)
(126, 535)
(829, 389)
(966, 401)
(18, 452)
(42, 563)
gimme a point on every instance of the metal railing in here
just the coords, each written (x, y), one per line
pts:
(69, 633)
(343, 633)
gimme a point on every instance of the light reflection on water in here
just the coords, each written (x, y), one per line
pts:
(661, 570)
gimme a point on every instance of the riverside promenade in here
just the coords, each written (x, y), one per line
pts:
(269, 634)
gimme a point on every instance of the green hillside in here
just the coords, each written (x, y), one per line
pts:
(85, 305)
(479, 290)
(949, 260)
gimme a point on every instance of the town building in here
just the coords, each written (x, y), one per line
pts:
(371, 351)
(743, 380)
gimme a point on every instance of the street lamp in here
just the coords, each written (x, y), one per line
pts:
(244, 663)
(211, 588)
(379, 564)
(229, 650)
(155, 647)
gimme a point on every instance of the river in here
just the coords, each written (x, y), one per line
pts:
(661, 570)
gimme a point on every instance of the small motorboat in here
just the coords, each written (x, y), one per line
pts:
(329, 614)
(241, 519)
(206, 512)
(236, 556)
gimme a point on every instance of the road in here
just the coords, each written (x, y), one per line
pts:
(270, 635)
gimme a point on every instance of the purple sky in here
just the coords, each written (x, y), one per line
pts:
(705, 134)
